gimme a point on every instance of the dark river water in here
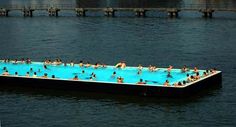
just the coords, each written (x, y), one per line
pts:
(190, 40)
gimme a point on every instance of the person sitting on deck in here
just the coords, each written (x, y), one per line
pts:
(169, 68)
(34, 75)
(96, 65)
(22, 60)
(152, 68)
(45, 75)
(197, 76)
(81, 63)
(141, 82)
(204, 74)
(5, 73)
(184, 69)
(121, 65)
(57, 62)
(213, 70)
(87, 64)
(207, 72)
(140, 67)
(15, 62)
(104, 65)
(118, 65)
(72, 63)
(120, 79)
(76, 78)
(195, 70)
(178, 84)
(189, 78)
(27, 74)
(184, 82)
(28, 61)
(169, 75)
(166, 83)
(192, 78)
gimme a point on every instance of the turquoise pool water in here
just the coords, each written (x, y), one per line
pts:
(68, 72)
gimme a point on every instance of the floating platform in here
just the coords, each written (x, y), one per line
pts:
(61, 76)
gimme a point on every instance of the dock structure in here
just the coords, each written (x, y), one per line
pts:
(27, 12)
(53, 11)
(172, 11)
(4, 12)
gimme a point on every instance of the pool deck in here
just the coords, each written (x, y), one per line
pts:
(211, 80)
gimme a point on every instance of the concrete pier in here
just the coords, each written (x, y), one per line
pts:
(80, 12)
(27, 12)
(109, 12)
(207, 13)
(140, 12)
(173, 12)
(53, 11)
(4, 12)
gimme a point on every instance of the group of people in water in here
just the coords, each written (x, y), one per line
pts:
(120, 65)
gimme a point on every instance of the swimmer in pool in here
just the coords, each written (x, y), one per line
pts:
(141, 82)
(45, 75)
(169, 75)
(5, 73)
(76, 78)
(34, 75)
(166, 83)
(113, 75)
(45, 67)
(139, 72)
(120, 80)
(27, 74)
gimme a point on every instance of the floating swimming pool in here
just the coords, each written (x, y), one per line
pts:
(104, 80)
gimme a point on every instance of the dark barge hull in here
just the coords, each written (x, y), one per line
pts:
(214, 80)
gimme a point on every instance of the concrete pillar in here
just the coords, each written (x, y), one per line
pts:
(4, 12)
(207, 13)
(53, 11)
(109, 12)
(27, 12)
(140, 12)
(173, 12)
(80, 12)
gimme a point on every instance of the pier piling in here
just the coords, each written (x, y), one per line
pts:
(27, 12)
(109, 12)
(173, 12)
(140, 12)
(4, 12)
(80, 12)
(207, 13)
(53, 11)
